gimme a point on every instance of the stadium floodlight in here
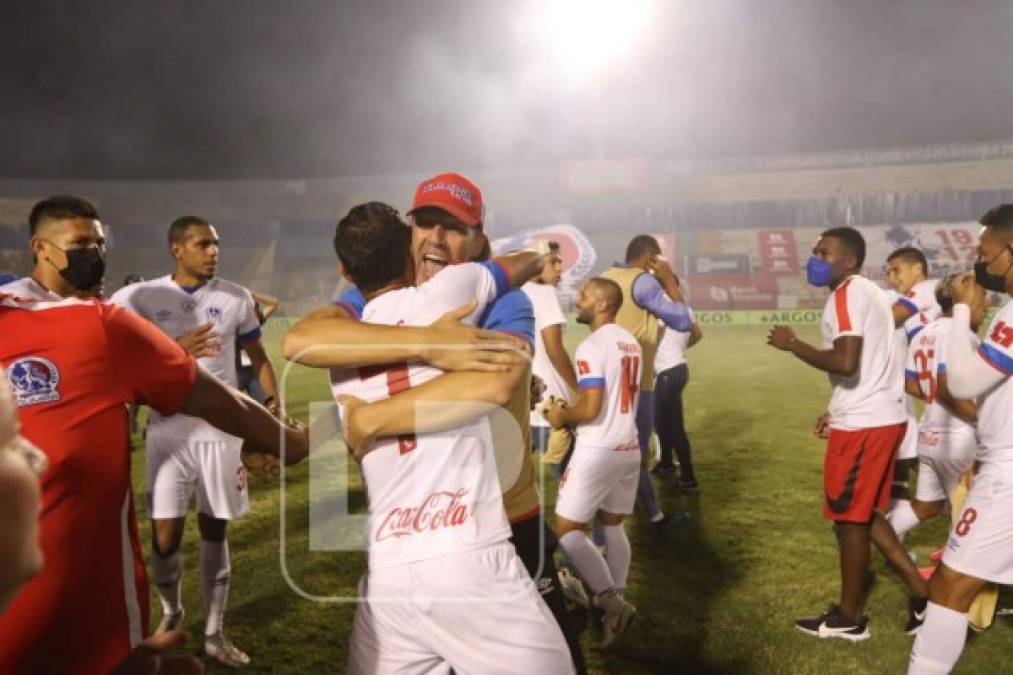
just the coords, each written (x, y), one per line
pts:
(586, 35)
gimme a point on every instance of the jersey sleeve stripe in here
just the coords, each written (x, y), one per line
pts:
(914, 332)
(349, 309)
(841, 305)
(499, 275)
(941, 369)
(907, 304)
(592, 383)
(911, 374)
(250, 335)
(996, 359)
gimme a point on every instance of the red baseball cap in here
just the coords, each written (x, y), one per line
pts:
(453, 193)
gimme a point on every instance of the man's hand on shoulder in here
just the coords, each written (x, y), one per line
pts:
(455, 346)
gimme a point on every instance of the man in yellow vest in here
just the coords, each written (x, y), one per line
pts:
(650, 292)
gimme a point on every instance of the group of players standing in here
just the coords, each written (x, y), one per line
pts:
(460, 561)
(429, 361)
(919, 340)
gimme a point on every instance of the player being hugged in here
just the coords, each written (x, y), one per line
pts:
(445, 587)
(980, 547)
(602, 475)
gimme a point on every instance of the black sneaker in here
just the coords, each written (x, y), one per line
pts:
(833, 624)
(664, 470)
(688, 486)
(915, 615)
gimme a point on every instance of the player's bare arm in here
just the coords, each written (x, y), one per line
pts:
(236, 413)
(268, 304)
(842, 359)
(552, 338)
(901, 314)
(695, 335)
(584, 409)
(454, 399)
(329, 338)
(262, 367)
(963, 408)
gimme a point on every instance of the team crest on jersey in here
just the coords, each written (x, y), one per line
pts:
(188, 306)
(163, 315)
(33, 380)
(213, 314)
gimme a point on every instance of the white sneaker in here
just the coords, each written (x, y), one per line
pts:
(171, 622)
(221, 649)
(573, 588)
(618, 615)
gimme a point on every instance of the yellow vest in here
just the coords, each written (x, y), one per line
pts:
(637, 320)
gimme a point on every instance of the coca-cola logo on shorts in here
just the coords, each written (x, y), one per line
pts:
(439, 510)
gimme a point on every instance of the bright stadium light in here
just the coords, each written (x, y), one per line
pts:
(585, 35)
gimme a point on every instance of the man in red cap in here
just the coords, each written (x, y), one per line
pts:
(446, 220)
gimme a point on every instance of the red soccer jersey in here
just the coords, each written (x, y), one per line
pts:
(72, 365)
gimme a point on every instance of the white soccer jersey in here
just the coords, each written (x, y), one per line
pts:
(610, 358)
(995, 407)
(548, 312)
(921, 302)
(438, 493)
(926, 361)
(177, 311)
(672, 346)
(874, 395)
(30, 289)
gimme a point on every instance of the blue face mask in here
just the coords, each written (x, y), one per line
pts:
(817, 271)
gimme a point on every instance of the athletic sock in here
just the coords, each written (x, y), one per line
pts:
(902, 517)
(167, 573)
(214, 574)
(617, 553)
(589, 563)
(940, 641)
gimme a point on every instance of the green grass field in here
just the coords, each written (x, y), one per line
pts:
(718, 596)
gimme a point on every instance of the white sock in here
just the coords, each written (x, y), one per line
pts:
(939, 643)
(167, 572)
(589, 563)
(658, 517)
(617, 553)
(214, 575)
(902, 517)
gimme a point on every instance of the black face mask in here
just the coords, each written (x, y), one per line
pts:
(991, 282)
(85, 268)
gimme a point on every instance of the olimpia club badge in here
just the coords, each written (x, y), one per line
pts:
(33, 380)
(575, 248)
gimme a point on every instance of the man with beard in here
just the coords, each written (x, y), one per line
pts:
(446, 225)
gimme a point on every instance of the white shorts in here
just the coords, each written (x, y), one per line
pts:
(909, 445)
(205, 462)
(981, 540)
(477, 612)
(599, 480)
(942, 457)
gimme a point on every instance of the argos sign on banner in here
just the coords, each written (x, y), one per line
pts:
(576, 249)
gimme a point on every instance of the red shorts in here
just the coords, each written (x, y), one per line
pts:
(858, 471)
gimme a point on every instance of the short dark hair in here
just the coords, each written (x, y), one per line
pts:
(179, 227)
(910, 254)
(1000, 219)
(641, 245)
(852, 239)
(373, 244)
(944, 291)
(610, 291)
(485, 252)
(60, 207)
